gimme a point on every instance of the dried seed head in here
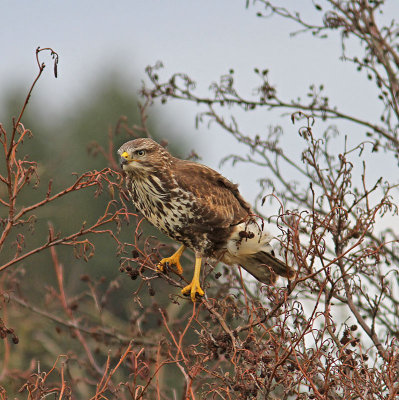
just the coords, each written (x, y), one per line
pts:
(135, 254)
(85, 278)
(134, 274)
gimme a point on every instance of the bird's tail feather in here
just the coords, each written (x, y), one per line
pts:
(265, 267)
(249, 246)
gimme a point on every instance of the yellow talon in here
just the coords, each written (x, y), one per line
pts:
(173, 261)
(194, 287)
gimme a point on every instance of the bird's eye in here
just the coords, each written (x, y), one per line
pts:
(140, 152)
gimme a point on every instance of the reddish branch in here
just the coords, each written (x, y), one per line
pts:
(331, 333)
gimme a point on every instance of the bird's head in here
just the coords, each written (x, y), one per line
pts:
(142, 156)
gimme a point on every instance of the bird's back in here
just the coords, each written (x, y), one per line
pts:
(191, 203)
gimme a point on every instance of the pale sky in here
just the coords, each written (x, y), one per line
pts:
(202, 38)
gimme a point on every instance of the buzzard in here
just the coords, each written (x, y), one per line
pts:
(200, 209)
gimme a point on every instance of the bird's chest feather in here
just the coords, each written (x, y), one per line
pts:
(165, 206)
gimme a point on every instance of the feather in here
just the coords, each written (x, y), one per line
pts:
(249, 246)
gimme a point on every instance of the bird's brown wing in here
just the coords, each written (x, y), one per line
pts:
(218, 203)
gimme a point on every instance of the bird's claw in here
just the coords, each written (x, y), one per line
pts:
(170, 262)
(192, 290)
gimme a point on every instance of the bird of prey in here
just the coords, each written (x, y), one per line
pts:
(199, 208)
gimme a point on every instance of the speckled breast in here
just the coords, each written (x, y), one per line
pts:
(172, 211)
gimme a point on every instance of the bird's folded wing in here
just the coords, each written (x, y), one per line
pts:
(218, 203)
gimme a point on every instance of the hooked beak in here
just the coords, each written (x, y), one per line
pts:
(124, 160)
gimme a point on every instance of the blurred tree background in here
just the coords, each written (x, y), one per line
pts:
(63, 147)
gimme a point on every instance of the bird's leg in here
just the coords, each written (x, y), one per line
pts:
(194, 287)
(173, 261)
